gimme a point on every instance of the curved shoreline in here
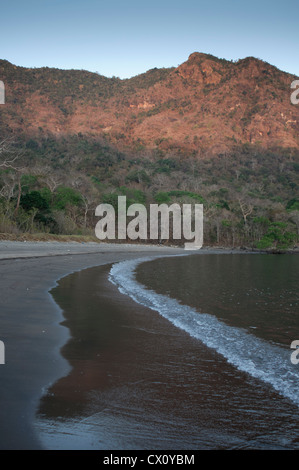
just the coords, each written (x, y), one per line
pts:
(139, 382)
(30, 321)
(268, 363)
(30, 324)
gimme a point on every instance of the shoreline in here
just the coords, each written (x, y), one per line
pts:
(15, 249)
(30, 326)
(31, 321)
(131, 368)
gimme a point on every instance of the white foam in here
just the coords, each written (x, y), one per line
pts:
(260, 359)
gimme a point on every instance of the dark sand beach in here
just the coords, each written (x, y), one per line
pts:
(30, 329)
(89, 368)
(139, 382)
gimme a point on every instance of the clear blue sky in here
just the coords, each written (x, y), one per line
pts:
(128, 37)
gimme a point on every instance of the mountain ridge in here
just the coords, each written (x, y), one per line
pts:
(204, 106)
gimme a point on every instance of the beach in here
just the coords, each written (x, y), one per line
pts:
(30, 320)
(87, 367)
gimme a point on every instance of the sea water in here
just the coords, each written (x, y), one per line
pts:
(180, 352)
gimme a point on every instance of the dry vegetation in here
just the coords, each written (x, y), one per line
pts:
(210, 131)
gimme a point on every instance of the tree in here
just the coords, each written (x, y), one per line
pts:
(294, 216)
(34, 199)
(66, 196)
(8, 155)
(246, 210)
(277, 237)
(8, 160)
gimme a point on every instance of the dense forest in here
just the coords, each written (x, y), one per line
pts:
(52, 186)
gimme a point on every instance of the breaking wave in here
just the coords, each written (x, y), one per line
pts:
(260, 359)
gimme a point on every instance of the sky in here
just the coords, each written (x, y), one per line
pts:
(125, 38)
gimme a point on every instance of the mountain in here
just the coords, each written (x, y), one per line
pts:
(205, 106)
(210, 131)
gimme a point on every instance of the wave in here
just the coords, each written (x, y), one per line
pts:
(260, 359)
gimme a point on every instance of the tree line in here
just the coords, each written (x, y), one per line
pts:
(250, 198)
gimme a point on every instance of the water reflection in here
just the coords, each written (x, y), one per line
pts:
(137, 382)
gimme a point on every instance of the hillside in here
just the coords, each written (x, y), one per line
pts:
(212, 131)
(205, 105)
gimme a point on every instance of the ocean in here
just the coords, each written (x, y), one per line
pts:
(180, 352)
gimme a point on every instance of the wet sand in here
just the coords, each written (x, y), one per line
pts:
(29, 324)
(138, 382)
(111, 374)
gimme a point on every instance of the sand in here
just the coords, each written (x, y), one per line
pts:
(29, 323)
